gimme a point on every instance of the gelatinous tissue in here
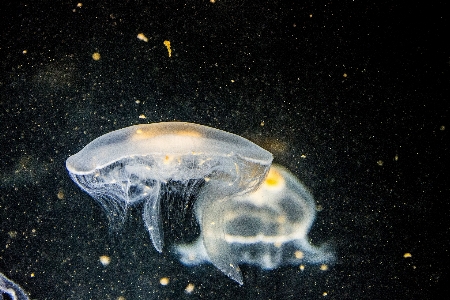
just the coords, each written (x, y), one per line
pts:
(138, 164)
(267, 228)
(133, 164)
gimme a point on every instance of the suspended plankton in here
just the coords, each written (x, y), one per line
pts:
(267, 228)
(140, 163)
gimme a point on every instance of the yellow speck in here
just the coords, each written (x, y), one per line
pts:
(168, 159)
(407, 255)
(121, 298)
(303, 156)
(105, 260)
(60, 194)
(189, 288)
(396, 157)
(96, 56)
(323, 267)
(32, 275)
(442, 128)
(169, 50)
(142, 117)
(142, 37)
(262, 123)
(79, 4)
(299, 254)
(212, 1)
(25, 51)
(164, 281)
(310, 15)
(302, 267)
(380, 163)
(324, 294)
(345, 75)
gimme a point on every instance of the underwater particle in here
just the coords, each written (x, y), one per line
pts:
(60, 194)
(79, 4)
(189, 288)
(325, 294)
(301, 267)
(396, 157)
(164, 281)
(324, 267)
(96, 56)
(121, 298)
(442, 128)
(267, 228)
(142, 37)
(345, 75)
(105, 260)
(142, 117)
(12, 234)
(380, 163)
(169, 50)
(25, 51)
(407, 255)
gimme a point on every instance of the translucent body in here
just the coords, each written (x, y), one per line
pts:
(8, 287)
(267, 228)
(135, 164)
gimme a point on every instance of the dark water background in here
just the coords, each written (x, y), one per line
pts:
(351, 96)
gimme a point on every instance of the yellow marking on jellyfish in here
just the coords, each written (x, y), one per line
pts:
(274, 180)
(143, 134)
(168, 159)
(169, 50)
(281, 219)
(189, 133)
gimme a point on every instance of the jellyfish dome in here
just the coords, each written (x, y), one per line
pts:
(136, 164)
(267, 228)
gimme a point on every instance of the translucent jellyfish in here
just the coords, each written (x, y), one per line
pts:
(267, 228)
(140, 163)
(8, 287)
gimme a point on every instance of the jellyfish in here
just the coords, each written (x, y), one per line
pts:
(138, 164)
(267, 228)
(8, 287)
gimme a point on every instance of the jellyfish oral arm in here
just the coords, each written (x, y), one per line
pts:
(152, 220)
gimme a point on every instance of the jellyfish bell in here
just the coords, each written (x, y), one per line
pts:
(267, 228)
(136, 164)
